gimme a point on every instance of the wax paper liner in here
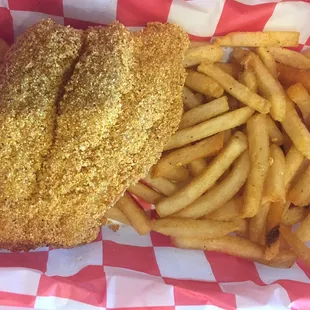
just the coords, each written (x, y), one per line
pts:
(123, 270)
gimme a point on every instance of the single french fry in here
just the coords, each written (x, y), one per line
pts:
(3, 49)
(274, 188)
(289, 57)
(227, 212)
(162, 185)
(275, 134)
(189, 228)
(196, 55)
(230, 68)
(189, 99)
(300, 96)
(206, 179)
(176, 174)
(239, 54)
(248, 78)
(285, 259)
(259, 158)
(243, 228)
(301, 250)
(185, 155)
(235, 246)
(193, 44)
(293, 216)
(146, 193)
(299, 195)
(289, 76)
(257, 224)
(287, 142)
(203, 84)
(204, 112)
(269, 86)
(137, 218)
(116, 214)
(268, 61)
(220, 193)
(293, 162)
(197, 166)
(200, 97)
(236, 89)
(296, 129)
(210, 127)
(303, 231)
(256, 39)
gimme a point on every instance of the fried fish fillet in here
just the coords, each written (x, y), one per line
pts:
(121, 105)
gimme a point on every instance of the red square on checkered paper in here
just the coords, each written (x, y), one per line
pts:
(6, 25)
(87, 286)
(52, 7)
(140, 12)
(16, 300)
(130, 257)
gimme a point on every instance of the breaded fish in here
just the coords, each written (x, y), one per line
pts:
(120, 107)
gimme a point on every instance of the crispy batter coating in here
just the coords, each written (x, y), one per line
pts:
(120, 107)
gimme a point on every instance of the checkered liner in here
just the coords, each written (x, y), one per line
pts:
(123, 270)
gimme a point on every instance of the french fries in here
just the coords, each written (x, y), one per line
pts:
(220, 193)
(293, 216)
(201, 183)
(198, 54)
(203, 84)
(189, 99)
(259, 157)
(248, 78)
(210, 127)
(303, 231)
(275, 134)
(3, 49)
(162, 185)
(236, 89)
(239, 54)
(145, 192)
(289, 58)
(197, 166)
(185, 155)
(257, 225)
(231, 69)
(189, 228)
(256, 39)
(116, 214)
(204, 112)
(268, 61)
(134, 214)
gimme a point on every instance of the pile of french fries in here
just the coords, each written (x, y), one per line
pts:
(235, 177)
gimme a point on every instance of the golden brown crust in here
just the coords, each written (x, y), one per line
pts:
(109, 133)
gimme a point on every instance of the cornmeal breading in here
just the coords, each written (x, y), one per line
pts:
(121, 105)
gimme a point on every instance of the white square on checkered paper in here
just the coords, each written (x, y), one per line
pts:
(126, 235)
(183, 264)
(4, 4)
(19, 280)
(96, 11)
(208, 307)
(67, 262)
(128, 288)
(197, 17)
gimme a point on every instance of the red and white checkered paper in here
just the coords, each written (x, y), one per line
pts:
(124, 270)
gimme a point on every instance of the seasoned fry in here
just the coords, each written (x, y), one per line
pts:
(285, 259)
(269, 86)
(259, 158)
(146, 193)
(220, 193)
(256, 39)
(200, 97)
(243, 228)
(235, 246)
(137, 218)
(257, 225)
(236, 89)
(196, 55)
(273, 250)
(302, 251)
(230, 68)
(239, 54)
(117, 215)
(204, 112)
(193, 44)
(274, 190)
(248, 78)
(289, 57)
(299, 195)
(162, 185)
(303, 231)
(3, 49)
(197, 166)
(268, 61)
(294, 215)
(189, 99)
(293, 162)
(296, 130)
(176, 174)
(300, 96)
(203, 84)
(206, 179)
(189, 228)
(227, 212)
(289, 76)
(275, 134)
(210, 127)
(207, 147)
